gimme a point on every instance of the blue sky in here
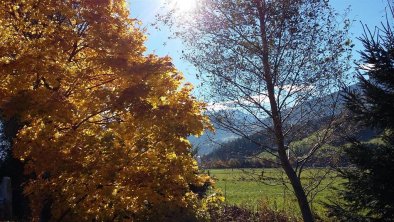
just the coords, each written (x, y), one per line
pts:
(369, 12)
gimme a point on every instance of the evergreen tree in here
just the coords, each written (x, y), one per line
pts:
(368, 194)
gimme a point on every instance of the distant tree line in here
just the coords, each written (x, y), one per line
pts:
(244, 153)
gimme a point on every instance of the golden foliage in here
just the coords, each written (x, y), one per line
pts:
(105, 125)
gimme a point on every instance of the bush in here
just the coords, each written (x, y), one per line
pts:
(264, 213)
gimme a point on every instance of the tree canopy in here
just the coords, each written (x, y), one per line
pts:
(104, 125)
(277, 61)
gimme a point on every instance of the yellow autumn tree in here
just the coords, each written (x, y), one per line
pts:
(105, 126)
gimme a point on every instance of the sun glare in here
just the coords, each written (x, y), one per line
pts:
(182, 5)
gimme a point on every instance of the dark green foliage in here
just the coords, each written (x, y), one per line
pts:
(369, 193)
(374, 106)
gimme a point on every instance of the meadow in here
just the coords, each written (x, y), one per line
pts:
(251, 187)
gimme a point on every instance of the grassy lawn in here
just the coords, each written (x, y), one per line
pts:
(245, 187)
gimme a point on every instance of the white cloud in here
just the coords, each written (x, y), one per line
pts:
(367, 67)
(261, 99)
(221, 106)
(295, 88)
(235, 104)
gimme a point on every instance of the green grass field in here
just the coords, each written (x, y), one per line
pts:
(245, 187)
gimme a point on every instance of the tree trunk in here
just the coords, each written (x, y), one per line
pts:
(297, 186)
(277, 121)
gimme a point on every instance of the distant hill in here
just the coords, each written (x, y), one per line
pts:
(243, 151)
(231, 144)
(238, 148)
(210, 141)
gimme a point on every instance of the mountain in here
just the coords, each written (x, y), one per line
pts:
(317, 109)
(243, 153)
(211, 141)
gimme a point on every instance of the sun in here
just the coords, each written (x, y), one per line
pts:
(182, 5)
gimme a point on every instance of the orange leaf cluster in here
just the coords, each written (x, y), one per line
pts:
(105, 126)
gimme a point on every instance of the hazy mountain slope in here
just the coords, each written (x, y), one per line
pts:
(222, 138)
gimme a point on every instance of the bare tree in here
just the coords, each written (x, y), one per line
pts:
(279, 62)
